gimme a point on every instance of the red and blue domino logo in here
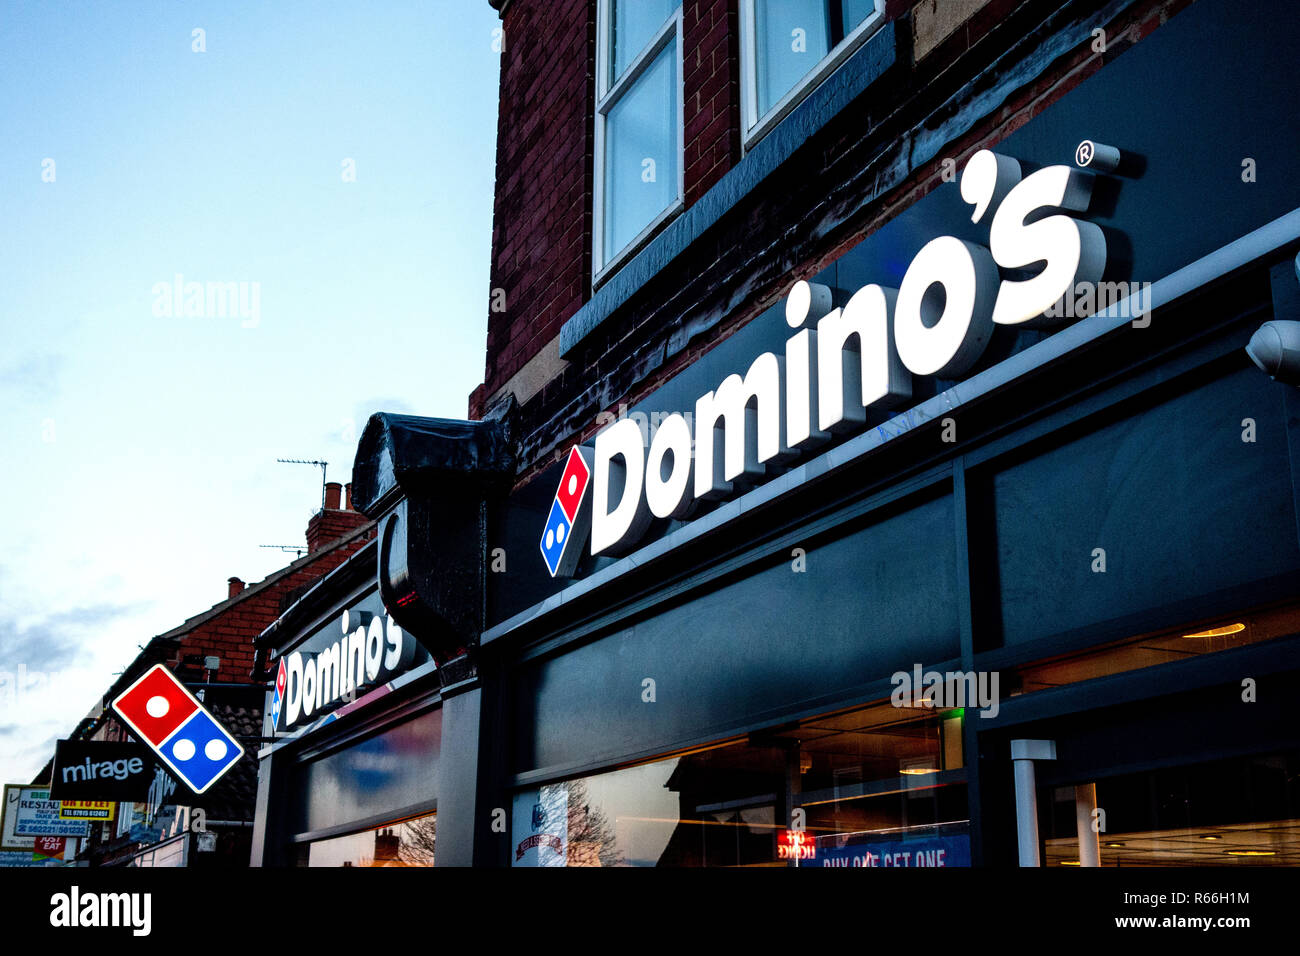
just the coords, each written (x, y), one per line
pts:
(281, 682)
(165, 715)
(569, 521)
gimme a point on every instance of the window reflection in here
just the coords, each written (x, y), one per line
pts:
(407, 843)
(876, 784)
(1161, 647)
(1240, 811)
(793, 37)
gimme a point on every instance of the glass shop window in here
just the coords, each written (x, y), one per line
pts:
(1242, 811)
(406, 843)
(1153, 649)
(638, 161)
(878, 786)
(789, 46)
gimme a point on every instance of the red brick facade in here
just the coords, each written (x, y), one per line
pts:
(711, 94)
(542, 227)
(229, 632)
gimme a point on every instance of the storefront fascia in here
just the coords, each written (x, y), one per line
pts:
(353, 779)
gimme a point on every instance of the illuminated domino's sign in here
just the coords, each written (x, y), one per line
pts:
(368, 650)
(845, 358)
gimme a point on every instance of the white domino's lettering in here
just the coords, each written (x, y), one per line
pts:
(370, 650)
(841, 361)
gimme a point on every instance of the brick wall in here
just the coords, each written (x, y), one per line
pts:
(230, 633)
(711, 92)
(542, 217)
(541, 223)
(865, 158)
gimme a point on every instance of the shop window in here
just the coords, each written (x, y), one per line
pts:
(391, 774)
(406, 843)
(638, 128)
(1159, 647)
(1163, 505)
(878, 786)
(1243, 811)
(789, 46)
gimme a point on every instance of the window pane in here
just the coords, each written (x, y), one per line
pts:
(384, 774)
(855, 11)
(409, 843)
(791, 40)
(1110, 489)
(641, 153)
(872, 782)
(634, 23)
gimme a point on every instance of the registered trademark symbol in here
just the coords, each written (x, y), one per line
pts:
(1083, 155)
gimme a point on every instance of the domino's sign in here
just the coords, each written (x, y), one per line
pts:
(844, 356)
(568, 522)
(179, 730)
(362, 650)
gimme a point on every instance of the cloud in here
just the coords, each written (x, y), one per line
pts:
(54, 640)
(52, 673)
(35, 378)
(25, 752)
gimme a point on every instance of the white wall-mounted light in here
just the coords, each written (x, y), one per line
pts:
(1275, 348)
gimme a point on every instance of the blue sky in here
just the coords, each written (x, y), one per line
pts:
(139, 468)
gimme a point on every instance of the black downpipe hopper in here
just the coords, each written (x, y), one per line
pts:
(431, 483)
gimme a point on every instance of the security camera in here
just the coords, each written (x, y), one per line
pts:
(1275, 348)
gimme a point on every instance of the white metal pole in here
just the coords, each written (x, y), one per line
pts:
(1085, 802)
(1023, 755)
(1026, 812)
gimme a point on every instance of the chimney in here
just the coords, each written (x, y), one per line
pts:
(334, 520)
(235, 586)
(347, 497)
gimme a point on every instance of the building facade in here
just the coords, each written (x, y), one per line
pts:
(869, 469)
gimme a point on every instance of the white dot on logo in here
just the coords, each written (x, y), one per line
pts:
(559, 534)
(183, 749)
(573, 484)
(157, 706)
(550, 539)
(214, 749)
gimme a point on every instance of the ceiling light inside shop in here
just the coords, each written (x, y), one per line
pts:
(1226, 631)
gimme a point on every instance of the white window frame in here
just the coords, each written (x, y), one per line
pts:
(755, 127)
(607, 96)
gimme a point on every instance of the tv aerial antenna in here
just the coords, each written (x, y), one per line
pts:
(322, 465)
(297, 549)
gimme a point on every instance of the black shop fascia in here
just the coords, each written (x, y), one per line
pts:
(352, 726)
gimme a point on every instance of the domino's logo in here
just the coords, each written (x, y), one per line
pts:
(179, 730)
(569, 521)
(281, 679)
